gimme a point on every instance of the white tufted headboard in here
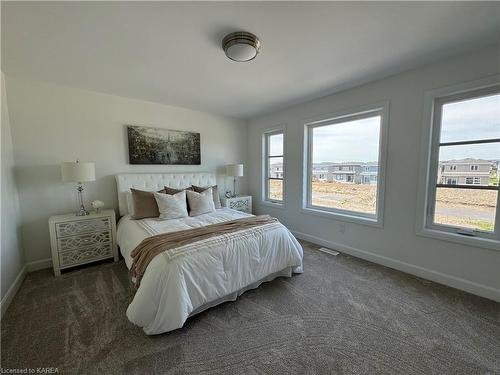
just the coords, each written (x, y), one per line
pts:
(156, 181)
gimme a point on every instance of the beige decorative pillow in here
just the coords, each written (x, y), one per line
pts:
(215, 193)
(144, 204)
(171, 206)
(200, 203)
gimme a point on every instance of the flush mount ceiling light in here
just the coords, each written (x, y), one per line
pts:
(241, 46)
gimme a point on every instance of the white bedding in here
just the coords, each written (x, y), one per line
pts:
(178, 282)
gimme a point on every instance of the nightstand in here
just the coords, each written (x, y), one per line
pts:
(240, 203)
(77, 240)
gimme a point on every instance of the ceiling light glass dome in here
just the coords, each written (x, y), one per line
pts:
(241, 46)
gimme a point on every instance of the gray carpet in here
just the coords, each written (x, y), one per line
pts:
(342, 316)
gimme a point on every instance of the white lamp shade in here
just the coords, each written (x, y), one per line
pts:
(235, 170)
(78, 171)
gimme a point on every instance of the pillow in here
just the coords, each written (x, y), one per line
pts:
(144, 204)
(172, 191)
(215, 193)
(130, 203)
(200, 203)
(171, 206)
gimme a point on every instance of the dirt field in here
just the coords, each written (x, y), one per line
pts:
(458, 207)
(466, 208)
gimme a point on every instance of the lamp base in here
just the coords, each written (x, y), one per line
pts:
(82, 212)
(234, 188)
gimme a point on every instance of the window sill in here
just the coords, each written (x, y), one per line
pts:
(273, 204)
(462, 240)
(352, 218)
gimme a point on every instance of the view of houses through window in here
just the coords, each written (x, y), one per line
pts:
(275, 169)
(469, 160)
(344, 163)
(344, 167)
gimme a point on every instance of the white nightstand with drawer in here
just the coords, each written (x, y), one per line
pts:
(239, 203)
(77, 240)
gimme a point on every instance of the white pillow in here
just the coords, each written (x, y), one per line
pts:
(130, 203)
(171, 206)
(200, 203)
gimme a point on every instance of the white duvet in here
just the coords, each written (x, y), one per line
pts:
(178, 282)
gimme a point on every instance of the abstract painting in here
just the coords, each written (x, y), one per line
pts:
(162, 146)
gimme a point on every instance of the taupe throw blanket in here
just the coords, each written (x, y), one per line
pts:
(150, 247)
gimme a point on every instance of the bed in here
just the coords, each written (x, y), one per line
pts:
(184, 281)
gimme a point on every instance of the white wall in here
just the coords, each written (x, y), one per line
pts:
(396, 244)
(12, 258)
(52, 124)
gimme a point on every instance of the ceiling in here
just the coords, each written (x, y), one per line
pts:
(170, 52)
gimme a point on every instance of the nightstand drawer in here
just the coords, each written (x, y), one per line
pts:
(84, 254)
(82, 240)
(72, 228)
(241, 203)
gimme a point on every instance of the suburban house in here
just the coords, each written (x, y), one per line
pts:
(277, 170)
(369, 174)
(464, 172)
(320, 172)
(345, 172)
(452, 172)
(351, 172)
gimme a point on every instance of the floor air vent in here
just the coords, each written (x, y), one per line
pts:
(328, 251)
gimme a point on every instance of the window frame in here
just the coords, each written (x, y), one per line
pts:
(428, 184)
(265, 199)
(382, 109)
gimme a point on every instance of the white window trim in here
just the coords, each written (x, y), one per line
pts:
(376, 220)
(428, 169)
(265, 167)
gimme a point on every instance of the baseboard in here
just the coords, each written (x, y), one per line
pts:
(7, 299)
(438, 277)
(39, 265)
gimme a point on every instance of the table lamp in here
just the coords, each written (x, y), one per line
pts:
(234, 170)
(78, 172)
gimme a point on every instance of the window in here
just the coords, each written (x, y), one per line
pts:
(274, 167)
(350, 146)
(465, 130)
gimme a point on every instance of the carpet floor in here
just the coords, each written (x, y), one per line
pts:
(342, 316)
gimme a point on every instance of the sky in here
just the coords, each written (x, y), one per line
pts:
(276, 145)
(471, 120)
(348, 141)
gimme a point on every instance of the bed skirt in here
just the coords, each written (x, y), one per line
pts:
(287, 272)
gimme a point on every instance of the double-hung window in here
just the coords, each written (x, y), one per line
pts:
(274, 167)
(350, 147)
(462, 197)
